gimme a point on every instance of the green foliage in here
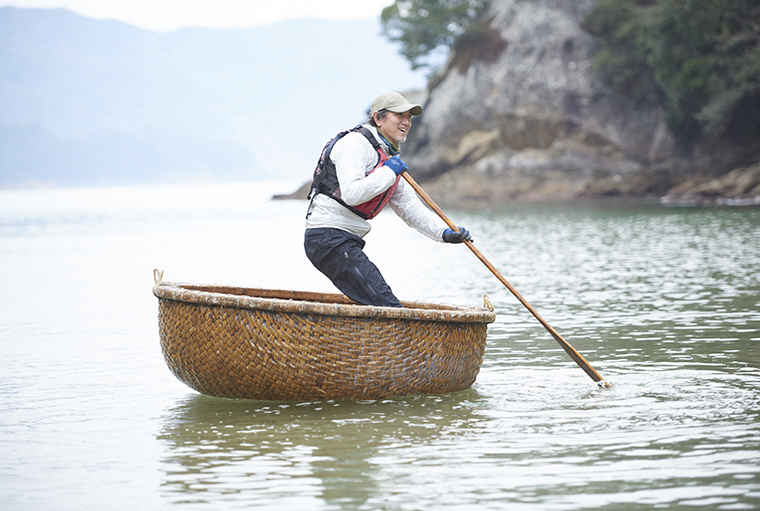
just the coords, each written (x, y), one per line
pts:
(619, 63)
(424, 26)
(699, 58)
(478, 42)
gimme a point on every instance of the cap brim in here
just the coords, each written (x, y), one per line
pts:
(415, 109)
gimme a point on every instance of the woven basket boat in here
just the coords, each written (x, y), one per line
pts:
(284, 345)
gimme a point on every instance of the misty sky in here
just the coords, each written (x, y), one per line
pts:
(166, 15)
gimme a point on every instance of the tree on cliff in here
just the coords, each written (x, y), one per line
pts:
(699, 58)
(427, 29)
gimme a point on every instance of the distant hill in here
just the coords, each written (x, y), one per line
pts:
(86, 101)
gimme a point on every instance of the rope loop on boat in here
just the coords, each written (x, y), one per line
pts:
(158, 276)
(487, 302)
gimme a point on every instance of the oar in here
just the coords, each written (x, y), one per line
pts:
(577, 357)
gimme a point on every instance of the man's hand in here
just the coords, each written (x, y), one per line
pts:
(396, 164)
(450, 236)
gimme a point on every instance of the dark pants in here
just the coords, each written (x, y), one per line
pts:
(339, 255)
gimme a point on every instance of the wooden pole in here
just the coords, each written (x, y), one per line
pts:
(577, 357)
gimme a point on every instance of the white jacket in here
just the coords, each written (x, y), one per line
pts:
(354, 157)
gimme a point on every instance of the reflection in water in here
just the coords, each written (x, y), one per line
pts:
(530, 437)
(298, 455)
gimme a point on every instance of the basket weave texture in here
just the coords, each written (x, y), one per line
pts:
(300, 346)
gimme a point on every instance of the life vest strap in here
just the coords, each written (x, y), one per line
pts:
(325, 178)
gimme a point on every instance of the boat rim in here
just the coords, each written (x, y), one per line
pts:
(319, 303)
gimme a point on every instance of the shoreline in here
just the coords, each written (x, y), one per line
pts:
(739, 187)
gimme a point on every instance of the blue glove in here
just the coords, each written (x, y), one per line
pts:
(396, 164)
(450, 236)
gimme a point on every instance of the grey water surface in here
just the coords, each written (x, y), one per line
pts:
(663, 302)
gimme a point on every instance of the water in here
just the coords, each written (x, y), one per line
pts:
(663, 302)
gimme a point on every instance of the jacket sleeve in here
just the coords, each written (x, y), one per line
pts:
(410, 208)
(354, 156)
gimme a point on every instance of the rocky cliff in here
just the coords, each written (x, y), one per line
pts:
(517, 114)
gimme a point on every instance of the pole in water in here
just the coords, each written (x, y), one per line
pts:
(577, 357)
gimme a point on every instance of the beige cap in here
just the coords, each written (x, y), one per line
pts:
(394, 102)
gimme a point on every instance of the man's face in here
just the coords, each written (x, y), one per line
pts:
(395, 126)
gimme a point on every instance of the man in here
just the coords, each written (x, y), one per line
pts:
(359, 174)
